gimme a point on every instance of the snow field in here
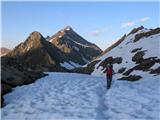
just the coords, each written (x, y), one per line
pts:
(66, 96)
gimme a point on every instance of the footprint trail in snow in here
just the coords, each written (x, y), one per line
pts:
(58, 96)
(66, 96)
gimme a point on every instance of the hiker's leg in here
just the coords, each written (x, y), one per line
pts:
(107, 82)
(110, 81)
(106, 79)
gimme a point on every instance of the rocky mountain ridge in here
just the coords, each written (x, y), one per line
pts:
(69, 42)
(131, 55)
(28, 60)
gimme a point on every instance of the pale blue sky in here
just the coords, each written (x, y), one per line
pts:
(99, 22)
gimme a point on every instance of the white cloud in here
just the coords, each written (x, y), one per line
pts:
(97, 32)
(132, 23)
(127, 24)
(144, 19)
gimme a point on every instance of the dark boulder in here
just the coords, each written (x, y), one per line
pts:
(155, 71)
(131, 78)
(135, 50)
(138, 57)
(144, 65)
(121, 70)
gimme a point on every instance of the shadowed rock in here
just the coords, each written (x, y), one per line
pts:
(131, 78)
(146, 34)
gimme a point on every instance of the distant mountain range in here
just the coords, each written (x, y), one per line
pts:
(62, 52)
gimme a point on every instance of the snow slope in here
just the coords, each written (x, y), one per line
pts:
(67, 96)
(148, 44)
(134, 100)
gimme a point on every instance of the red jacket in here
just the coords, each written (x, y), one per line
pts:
(109, 71)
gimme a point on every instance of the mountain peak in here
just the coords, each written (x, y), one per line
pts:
(75, 46)
(68, 28)
(35, 38)
(134, 30)
(34, 41)
(35, 35)
(35, 32)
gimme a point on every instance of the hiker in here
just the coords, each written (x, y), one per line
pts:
(109, 72)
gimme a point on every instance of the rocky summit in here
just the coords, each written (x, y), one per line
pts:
(78, 50)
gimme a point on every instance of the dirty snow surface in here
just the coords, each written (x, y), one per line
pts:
(66, 96)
